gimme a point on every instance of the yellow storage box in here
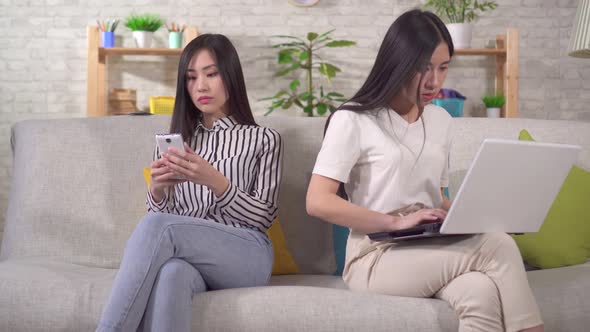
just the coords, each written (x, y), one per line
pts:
(161, 105)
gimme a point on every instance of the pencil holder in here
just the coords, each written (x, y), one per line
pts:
(175, 39)
(108, 39)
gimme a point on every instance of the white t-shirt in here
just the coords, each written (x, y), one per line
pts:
(385, 162)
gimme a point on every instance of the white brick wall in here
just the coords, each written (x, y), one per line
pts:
(43, 53)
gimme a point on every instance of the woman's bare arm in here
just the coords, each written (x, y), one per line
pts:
(446, 203)
(323, 202)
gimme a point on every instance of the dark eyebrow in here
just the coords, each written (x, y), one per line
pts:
(204, 68)
(444, 63)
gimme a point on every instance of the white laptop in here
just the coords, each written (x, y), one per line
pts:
(508, 188)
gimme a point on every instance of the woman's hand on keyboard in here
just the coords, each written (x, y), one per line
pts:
(422, 216)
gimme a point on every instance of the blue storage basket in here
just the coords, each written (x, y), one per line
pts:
(453, 105)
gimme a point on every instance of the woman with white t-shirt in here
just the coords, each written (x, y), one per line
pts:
(389, 149)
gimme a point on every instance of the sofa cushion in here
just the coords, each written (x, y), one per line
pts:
(312, 280)
(561, 293)
(76, 192)
(302, 308)
(73, 217)
(77, 196)
(564, 237)
(563, 297)
(42, 295)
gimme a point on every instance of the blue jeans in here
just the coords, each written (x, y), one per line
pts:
(169, 258)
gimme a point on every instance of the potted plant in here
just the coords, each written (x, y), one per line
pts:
(143, 27)
(301, 54)
(493, 105)
(460, 14)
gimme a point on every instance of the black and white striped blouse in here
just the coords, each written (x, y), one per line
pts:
(250, 157)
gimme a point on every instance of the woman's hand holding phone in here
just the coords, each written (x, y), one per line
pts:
(162, 178)
(192, 167)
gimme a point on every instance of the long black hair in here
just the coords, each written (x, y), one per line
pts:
(186, 115)
(405, 51)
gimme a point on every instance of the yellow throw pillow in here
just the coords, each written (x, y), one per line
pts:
(564, 237)
(283, 261)
(147, 175)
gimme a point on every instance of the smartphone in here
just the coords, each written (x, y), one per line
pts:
(164, 141)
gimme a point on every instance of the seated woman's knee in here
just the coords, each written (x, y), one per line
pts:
(500, 238)
(482, 288)
(503, 246)
(177, 272)
(152, 224)
(475, 297)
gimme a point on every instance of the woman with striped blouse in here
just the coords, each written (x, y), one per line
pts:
(206, 231)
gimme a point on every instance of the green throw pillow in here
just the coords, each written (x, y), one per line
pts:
(564, 237)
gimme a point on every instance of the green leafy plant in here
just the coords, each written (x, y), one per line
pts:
(494, 101)
(296, 54)
(144, 22)
(460, 11)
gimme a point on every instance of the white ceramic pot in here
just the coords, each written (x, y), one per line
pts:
(143, 39)
(460, 34)
(493, 112)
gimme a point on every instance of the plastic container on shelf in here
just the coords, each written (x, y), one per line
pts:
(161, 104)
(450, 100)
(453, 105)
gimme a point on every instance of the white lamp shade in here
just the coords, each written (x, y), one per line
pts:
(580, 40)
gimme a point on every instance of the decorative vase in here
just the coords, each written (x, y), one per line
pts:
(460, 34)
(143, 39)
(493, 112)
(175, 39)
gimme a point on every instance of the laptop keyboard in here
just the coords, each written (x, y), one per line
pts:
(432, 228)
(419, 229)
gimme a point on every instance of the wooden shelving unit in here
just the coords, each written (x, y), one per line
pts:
(96, 94)
(506, 53)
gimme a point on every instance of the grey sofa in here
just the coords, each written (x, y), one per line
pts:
(78, 191)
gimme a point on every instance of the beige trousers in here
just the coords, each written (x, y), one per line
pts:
(481, 276)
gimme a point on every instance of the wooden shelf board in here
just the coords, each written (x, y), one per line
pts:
(177, 51)
(138, 51)
(480, 51)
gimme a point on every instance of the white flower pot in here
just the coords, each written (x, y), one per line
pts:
(493, 112)
(460, 34)
(143, 39)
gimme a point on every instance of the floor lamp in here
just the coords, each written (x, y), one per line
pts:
(579, 46)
